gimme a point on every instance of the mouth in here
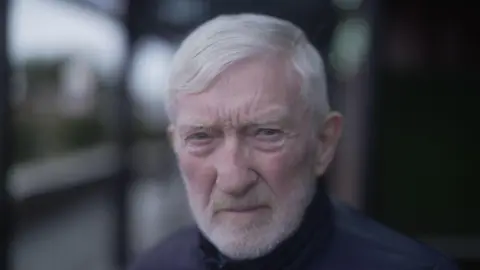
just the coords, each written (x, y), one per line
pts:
(246, 209)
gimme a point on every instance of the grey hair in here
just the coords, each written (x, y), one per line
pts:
(227, 39)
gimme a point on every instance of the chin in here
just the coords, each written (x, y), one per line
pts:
(252, 240)
(241, 243)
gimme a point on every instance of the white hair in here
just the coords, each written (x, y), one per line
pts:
(227, 39)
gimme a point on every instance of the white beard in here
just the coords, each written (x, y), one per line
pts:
(253, 240)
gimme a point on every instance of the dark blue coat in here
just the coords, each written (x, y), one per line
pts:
(331, 237)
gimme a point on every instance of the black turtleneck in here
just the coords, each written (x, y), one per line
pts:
(293, 253)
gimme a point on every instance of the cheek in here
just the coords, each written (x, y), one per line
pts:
(199, 178)
(282, 170)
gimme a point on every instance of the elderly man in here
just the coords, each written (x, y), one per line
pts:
(253, 134)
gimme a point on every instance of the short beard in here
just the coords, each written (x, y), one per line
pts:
(261, 238)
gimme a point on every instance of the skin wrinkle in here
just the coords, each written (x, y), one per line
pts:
(270, 115)
(249, 110)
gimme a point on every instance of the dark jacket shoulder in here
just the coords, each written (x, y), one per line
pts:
(357, 242)
(362, 243)
(177, 251)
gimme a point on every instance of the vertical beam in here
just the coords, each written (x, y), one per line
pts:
(6, 137)
(124, 137)
(135, 22)
(372, 190)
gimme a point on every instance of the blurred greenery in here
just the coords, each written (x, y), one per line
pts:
(70, 135)
(45, 132)
(80, 133)
(40, 71)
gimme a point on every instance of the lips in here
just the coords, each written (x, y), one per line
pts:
(243, 209)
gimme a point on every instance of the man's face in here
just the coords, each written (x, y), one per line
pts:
(248, 154)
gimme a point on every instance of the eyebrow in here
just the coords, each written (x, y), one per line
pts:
(194, 127)
(271, 115)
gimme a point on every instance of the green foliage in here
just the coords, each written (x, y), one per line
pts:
(80, 133)
(69, 135)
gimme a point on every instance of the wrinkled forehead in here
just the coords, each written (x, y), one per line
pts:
(247, 91)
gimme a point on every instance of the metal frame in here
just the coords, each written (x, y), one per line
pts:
(6, 139)
(124, 130)
(371, 183)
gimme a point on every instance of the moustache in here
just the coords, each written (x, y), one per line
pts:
(226, 203)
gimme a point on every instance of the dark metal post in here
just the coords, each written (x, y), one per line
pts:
(6, 212)
(124, 177)
(126, 136)
(372, 189)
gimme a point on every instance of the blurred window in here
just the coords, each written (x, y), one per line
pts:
(66, 62)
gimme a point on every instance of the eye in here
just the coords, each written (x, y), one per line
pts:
(268, 133)
(198, 136)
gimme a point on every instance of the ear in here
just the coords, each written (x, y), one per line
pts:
(327, 140)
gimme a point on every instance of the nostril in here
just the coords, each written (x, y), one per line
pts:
(253, 175)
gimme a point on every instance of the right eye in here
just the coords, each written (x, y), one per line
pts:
(199, 143)
(198, 136)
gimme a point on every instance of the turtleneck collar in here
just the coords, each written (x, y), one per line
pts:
(312, 235)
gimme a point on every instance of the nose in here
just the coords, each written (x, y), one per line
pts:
(234, 174)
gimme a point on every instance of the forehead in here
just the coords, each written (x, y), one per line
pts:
(246, 91)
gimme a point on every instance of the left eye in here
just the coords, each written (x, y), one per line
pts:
(268, 132)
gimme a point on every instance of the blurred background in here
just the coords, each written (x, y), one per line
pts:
(88, 181)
